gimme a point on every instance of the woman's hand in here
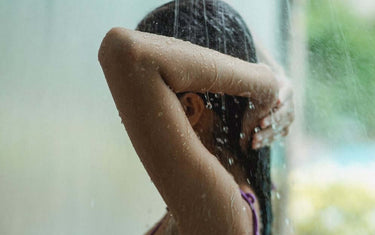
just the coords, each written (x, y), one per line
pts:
(277, 123)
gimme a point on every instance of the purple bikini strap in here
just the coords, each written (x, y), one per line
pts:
(250, 199)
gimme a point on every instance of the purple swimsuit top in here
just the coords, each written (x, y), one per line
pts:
(249, 198)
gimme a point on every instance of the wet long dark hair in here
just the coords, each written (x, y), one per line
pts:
(216, 25)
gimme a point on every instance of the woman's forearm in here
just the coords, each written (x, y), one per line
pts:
(188, 67)
(181, 167)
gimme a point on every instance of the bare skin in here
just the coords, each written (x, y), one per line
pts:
(276, 124)
(144, 72)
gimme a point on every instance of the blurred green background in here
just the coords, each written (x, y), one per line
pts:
(341, 79)
(332, 191)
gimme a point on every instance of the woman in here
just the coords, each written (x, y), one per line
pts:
(198, 146)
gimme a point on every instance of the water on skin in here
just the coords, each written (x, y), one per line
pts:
(223, 39)
(273, 121)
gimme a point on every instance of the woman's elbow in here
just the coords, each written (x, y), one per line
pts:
(118, 47)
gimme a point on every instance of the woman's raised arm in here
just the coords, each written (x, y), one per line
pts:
(188, 67)
(143, 72)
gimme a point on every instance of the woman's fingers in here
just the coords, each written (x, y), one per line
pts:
(286, 91)
(282, 114)
(277, 123)
(267, 136)
(274, 126)
(284, 108)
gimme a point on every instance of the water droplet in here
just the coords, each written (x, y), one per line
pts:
(251, 105)
(219, 140)
(171, 40)
(248, 181)
(242, 135)
(257, 129)
(230, 160)
(219, 148)
(209, 105)
(287, 221)
(278, 195)
(225, 129)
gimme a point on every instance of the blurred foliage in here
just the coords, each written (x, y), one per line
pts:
(341, 84)
(336, 209)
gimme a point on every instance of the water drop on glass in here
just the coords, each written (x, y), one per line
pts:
(287, 221)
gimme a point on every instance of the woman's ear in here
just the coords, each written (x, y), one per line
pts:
(193, 106)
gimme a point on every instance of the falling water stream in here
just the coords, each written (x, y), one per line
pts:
(220, 9)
